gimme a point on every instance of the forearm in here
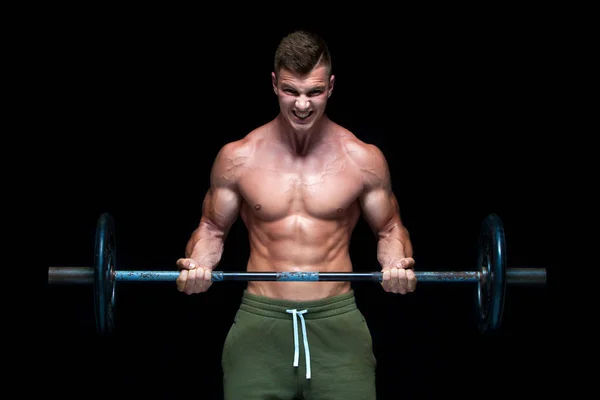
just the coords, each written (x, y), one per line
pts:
(206, 245)
(393, 245)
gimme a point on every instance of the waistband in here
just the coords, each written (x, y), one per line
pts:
(276, 308)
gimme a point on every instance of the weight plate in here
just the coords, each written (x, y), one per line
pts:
(491, 260)
(104, 278)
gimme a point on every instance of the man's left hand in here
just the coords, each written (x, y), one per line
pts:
(400, 277)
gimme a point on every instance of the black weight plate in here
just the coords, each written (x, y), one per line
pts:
(104, 266)
(491, 289)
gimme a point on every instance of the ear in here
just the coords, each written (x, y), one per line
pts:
(274, 82)
(331, 83)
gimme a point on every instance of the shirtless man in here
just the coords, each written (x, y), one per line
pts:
(300, 182)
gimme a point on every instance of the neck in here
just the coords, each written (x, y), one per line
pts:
(301, 143)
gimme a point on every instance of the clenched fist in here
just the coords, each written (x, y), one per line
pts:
(400, 277)
(192, 277)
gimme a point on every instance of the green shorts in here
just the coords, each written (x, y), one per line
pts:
(278, 349)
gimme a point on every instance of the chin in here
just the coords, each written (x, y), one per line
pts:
(302, 128)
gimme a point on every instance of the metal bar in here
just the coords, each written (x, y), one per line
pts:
(70, 275)
(85, 275)
(217, 276)
(526, 276)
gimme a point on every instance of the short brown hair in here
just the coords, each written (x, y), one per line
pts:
(301, 51)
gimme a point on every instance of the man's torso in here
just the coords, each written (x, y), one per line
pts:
(300, 212)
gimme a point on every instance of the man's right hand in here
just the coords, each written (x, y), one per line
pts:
(192, 277)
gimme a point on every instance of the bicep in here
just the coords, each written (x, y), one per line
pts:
(219, 211)
(222, 202)
(382, 213)
(378, 202)
(380, 209)
(221, 207)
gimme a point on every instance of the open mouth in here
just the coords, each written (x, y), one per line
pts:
(302, 115)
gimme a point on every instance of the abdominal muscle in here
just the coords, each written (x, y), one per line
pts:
(300, 244)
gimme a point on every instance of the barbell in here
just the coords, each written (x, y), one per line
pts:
(491, 275)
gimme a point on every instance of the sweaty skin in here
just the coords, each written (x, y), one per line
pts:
(300, 184)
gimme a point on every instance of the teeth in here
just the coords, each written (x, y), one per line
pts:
(302, 115)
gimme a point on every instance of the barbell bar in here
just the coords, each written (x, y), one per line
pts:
(85, 275)
(491, 275)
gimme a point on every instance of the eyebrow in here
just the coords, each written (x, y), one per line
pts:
(288, 86)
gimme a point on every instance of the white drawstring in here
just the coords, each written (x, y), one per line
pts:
(295, 313)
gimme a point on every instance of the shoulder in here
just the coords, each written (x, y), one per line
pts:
(231, 159)
(365, 155)
(233, 150)
(368, 159)
(240, 150)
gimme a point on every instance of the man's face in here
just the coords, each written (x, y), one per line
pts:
(303, 98)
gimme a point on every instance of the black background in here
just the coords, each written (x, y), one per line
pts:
(460, 102)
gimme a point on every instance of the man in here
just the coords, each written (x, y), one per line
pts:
(300, 182)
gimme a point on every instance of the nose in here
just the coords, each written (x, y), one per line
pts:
(302, 103)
